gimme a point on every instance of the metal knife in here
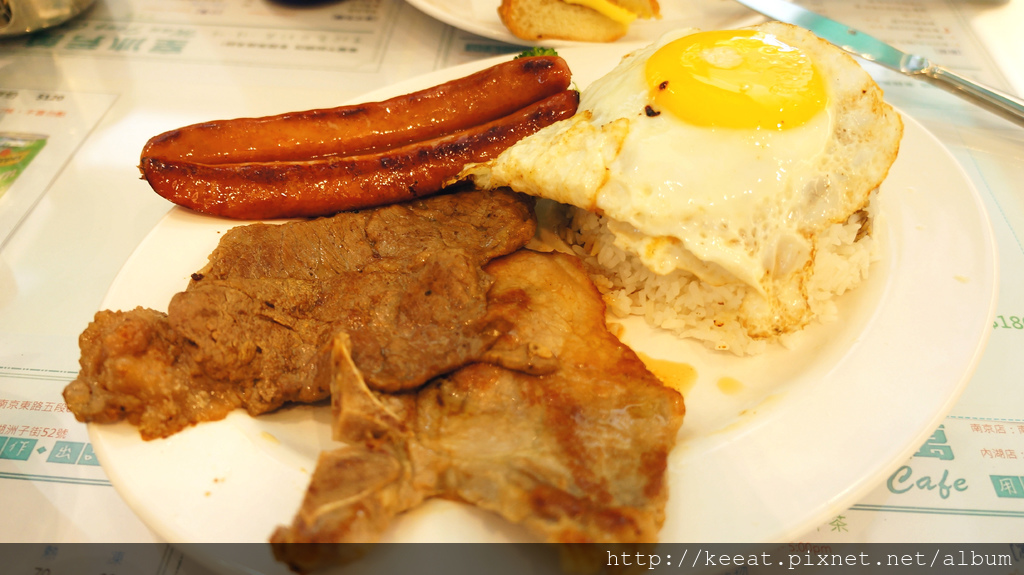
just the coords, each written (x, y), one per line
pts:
(874, 50)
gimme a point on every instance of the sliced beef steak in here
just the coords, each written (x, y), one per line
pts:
(484, 224)
(405, 281)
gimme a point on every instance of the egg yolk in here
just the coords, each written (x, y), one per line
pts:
(735, 79)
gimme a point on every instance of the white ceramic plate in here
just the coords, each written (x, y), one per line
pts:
(808, 433)
(480, 17)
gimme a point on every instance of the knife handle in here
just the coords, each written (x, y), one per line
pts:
(1006, 105)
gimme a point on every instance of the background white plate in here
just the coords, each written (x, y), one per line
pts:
(810, 432)
(480, 17)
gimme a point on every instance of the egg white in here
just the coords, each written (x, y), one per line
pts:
(725, 204)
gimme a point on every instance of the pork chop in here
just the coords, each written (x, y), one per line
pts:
(576, 455)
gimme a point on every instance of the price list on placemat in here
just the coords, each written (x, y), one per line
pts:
(346, 34)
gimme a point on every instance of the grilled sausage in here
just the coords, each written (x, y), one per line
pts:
(371, 127)
(280, 189)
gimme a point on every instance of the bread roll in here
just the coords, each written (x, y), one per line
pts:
(538, 20)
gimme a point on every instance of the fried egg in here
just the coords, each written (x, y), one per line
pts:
(722, 153)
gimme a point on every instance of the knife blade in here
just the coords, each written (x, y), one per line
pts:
(874, 50)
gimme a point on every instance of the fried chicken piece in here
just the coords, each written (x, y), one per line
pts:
(577, 455)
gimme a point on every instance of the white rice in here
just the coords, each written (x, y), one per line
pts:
(683, 304)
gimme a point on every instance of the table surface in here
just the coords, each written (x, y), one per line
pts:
(102, 84)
